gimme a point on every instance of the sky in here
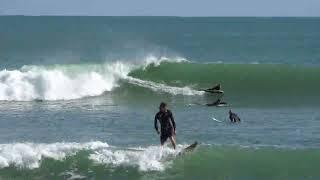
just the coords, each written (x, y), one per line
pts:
(263, 8)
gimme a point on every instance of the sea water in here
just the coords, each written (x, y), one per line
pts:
(78, 97)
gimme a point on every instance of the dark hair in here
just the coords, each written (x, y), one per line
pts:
(163, 104)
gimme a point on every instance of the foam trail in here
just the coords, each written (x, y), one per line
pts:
(30, 155)
(152, 158)
(158, 87)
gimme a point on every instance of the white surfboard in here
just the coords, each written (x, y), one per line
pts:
(215, 119)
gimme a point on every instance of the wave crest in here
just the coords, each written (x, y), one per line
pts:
(30, 155)
(65, 82)
(58, 83)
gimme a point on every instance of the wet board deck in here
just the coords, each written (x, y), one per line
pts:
(189, 148)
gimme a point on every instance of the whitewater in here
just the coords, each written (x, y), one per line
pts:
(30, 155)
(66, 82)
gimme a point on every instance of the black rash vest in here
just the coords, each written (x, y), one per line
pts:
(166, 121)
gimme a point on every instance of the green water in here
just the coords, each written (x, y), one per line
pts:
(78, 96)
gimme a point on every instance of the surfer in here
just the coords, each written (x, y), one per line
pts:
(168, 126)
(214, 89)
(217, 103)
(233, 117)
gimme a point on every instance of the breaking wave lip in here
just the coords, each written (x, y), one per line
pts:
(157, 61)
(30, 155)
(66, 82)
(60, 82)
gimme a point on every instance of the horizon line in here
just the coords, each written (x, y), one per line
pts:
(66, 15)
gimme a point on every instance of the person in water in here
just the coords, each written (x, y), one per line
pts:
(233, 117)
(168, 126)
(217, 102)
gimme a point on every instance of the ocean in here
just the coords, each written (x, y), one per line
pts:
(78, 97)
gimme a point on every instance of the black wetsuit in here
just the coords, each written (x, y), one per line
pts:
(216, 87)
(168, 126)
(234, 117)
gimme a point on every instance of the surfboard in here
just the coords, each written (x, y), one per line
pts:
(190, 148)
(222, 105)
(214, 91)
(215, 119)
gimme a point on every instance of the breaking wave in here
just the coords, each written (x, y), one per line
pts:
(65, 82)
(91, 160)
(30, 155)
(175, 76)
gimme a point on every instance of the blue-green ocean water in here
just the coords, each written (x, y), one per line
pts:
(78, 97)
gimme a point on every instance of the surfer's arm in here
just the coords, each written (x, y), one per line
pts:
(173, 122)
(156, 123)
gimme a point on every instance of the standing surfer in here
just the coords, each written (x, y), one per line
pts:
(168, 126)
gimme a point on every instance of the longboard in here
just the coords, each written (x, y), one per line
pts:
(222, 105)
(215, 119)
(189, 148)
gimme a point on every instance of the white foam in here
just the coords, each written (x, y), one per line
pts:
(159, 87)
(29, 155)
(60, 82)
(65, 82)
(153, 158)
(156, 61)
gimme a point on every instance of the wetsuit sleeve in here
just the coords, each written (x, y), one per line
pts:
(172, 120)
(156, 122)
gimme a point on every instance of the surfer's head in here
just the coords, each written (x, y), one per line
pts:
(163, 107)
